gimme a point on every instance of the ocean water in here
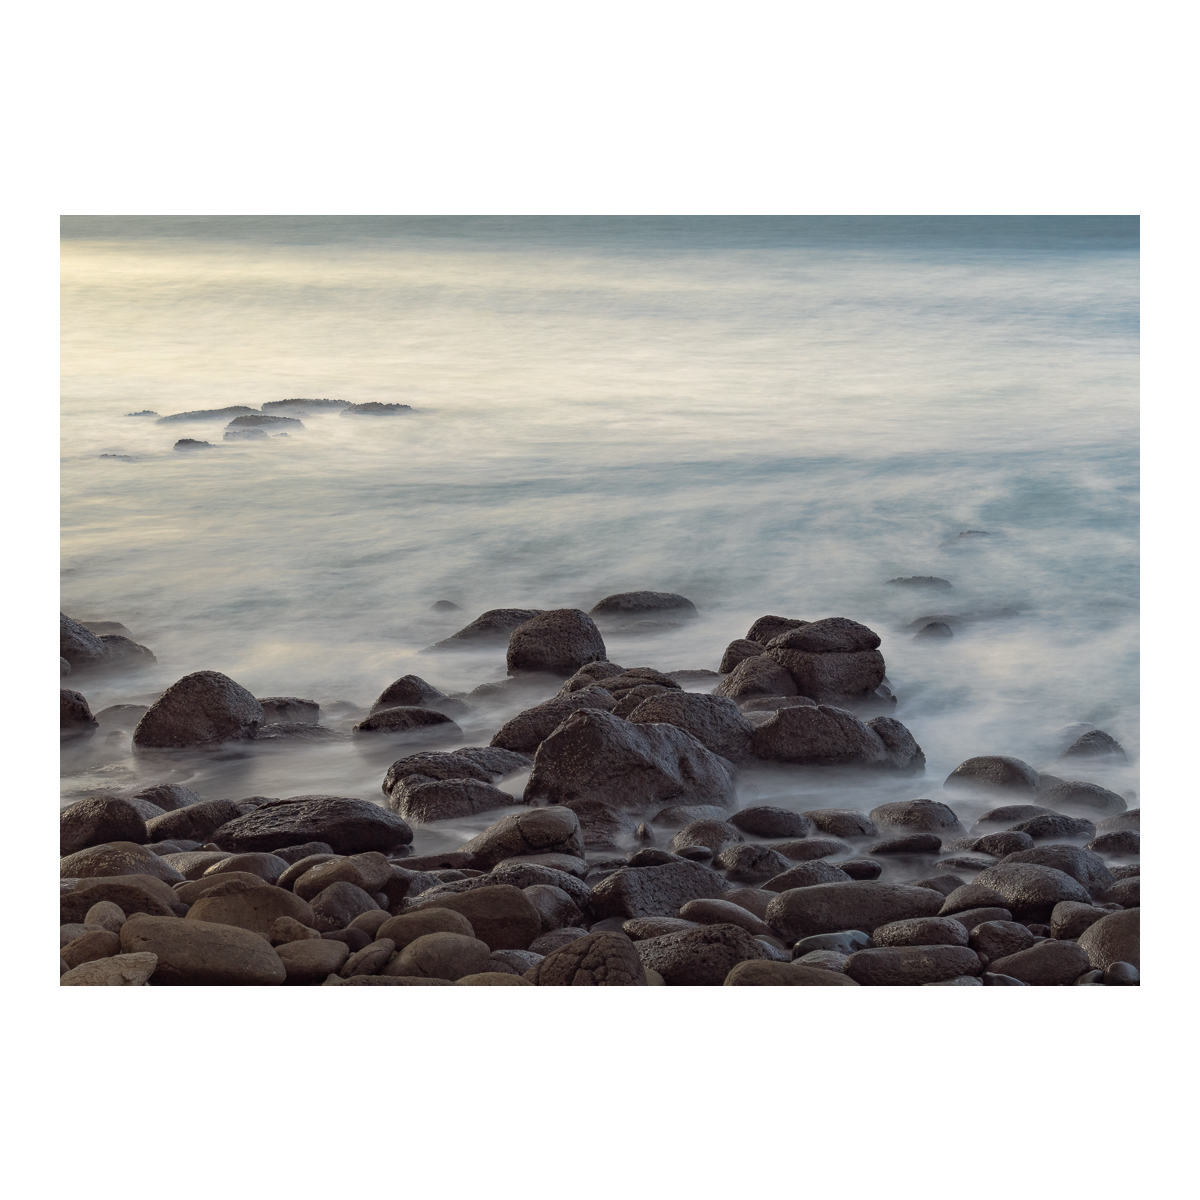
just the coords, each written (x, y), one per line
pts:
(767, 415)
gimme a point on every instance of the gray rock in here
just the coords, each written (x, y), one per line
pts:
(684, 814)
(913, 843)
(501, 915)
(806, 849)
(409, 691)
(639, 929)
(422, 800)
(1125, 892)
(558, 642)
(860, 868)
(1094, 744)
(290, 710)
(1031, 890)
(842, 822)
(902, 750)
(908, 966)
(807, 874)
(495, 623)
(1074, 796)
(824, 960)
(1122, 974)
(1114, 938)
(337, 905)
(201, 709)
(426, 723)
(195, 822)
(1080, 864)
(924, 815)
(776, 974)
(833, 635)
(293, 854)
(168, 796)
(738, 651)
(751, 863)
(520, 961)
(441, 956)
(1053, 826)
(699, 957)
(1120, 843)
(1009, 815)
(1049, 963)
(921, 931)
(1070, 919)
(767, 822)
(992, 773)
(99, 820)
(349, 825)
(857, 904)
(757, 705)
(972, 918)
(654, 891)
(842, 944)
(74, 716)
(105, 915)
(935, 629)
(714, 721)
(555, 908)
(597, 960)
(552, 830)
(122, 970)
(757, 675)
(724, 912)
(823, 736)
(716, 835)
(528, 729)
(1126, 820)
(831, 678)
(194, 953)
(638, 603)
(78, 645)
(998, 939)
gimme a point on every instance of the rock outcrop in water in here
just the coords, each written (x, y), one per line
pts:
(640, 603)
(558, 642)
(207, 414)
(374, 408)
(201, 709)
(495, 623)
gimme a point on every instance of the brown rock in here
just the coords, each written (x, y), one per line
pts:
(192, 864)
(422, 800)
(998, 939)
(907, 966)
(199, 953)
(350, 826)
(777, 974)
(831, 678)
(751, 863)
(715, 722)
(501, 915)
(441, 956)
(286, 930)
(597, 960)
(117, 858)
(122, 970)
(699, 957)
(105, 914)
(757, 675)
(925, 815)
(842, 822)
(654, 891)
(559, 642)
(337, 905)
(97, 821)
(807, 874)
(1030, 890)
(723, 912)
(492, 979)
(370, 960)
(256, 909)
(194, 822)
(221, 885)
(99, 943)
(921, 931)
(266, 866)
(370, 871)
(859, 904)
(201, 709)
(131, 893)
(310, 961)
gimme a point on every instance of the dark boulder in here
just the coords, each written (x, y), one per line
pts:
(77, 644)
(750, 863)
(738, 651)
(495, 623)
(769, 704)
(992, 773)
(921, 931)
(168, 796)
(195, 822)
(528, 729)
(777, 974)
(552, 830)
(842, 822)
(1074, 796)
(1126, 820)
(903, 753)
(1049, 963)
(913, 843)
(1008, 816)
(822, 736)
(334, 907)
(308, 962)
(806, 849)
(1000, 844)
(375, 408)
(757, 675)
(654, 891)
(117, 858)
(1121, 843)
(1051, 826)
(425, 722)
(130, 893)
(349, 825)
(1094, 744)
(699, 957)
(484, 763)
(197, 953)
(830, 678)
(844, 944)
(254, 908)
(972, 918)
(207, 414)
(97, 821)
(998, 939)
(410, 691)
(639, 603)
(971, 895)
(716, 835)
(927, 816)
(501, 915)
(833, 635)
(201, 709)
(559, 642)
(909, 966)
(1031, 890)
(858, 904)
(768, 822)
(1069, 920)
(724, 912)
(422, 800)
(805, 875)
(603, 826)
(595, 960)
(1080, 864)
(860, 868)
(714, 721)
(1114, 938)
(74, 716)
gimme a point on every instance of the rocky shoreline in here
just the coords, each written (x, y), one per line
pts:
(631, 864)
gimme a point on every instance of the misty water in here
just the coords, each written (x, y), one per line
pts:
(765, 415)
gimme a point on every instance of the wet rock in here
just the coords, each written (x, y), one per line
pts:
(753, 900)
(596, 960)
(1094, 744)
(555, 908)
(1122, 974)
(375, 408)
(1120, 843)
(639, 929)
(125, 652)
(95, 944)
(256, 909)
(699, 957)
(99, 820)
(1069, 920)
(972, 895)
(654, 891)
(842, 822)
(935, 629)
(767, 822)
(1074, 797)
(831, 736)
(919, 815)
(833, 635)
(1126, 820)
(335, 906)
(423, 801)
(558, 642)
(842, 944)
(776, 974)
(829, 678)
(124, 717)
(192, 953)
(1008, 816)
(807, 849)
(1000, 844)
(528, 729)
(1031, 890)
(293, 854)
(758, 708)
(545, 830)
(117, 858)
(267, 867)
(998, 939)
(427, 722)
(757, 675)
(724, 912)
(992, 773)
(714, 721)
(500, 915)
(1114, 938)
(716, 835)
(122, 970)
(201, 709)
(805, 875)
(1053, 826)
(74, 717)
(78, 645)
(913, 843)
(857, 904)
(594, 755)
(1048, 963)
(738, 651)
(495, 623)
(823, 960)
(632, 698)
(190, 892)
(409, 691)
(971, 918)
(751, 863)
(309, 961)
(638, 603)
(965, 863)
(944, 883)
(370, 871)
(1080, 864)
(700, 854)
(907, 966)
(409, 926)
(903, 753)
(860, 868)
(1129, 871)
(921, 931)
(349, 825)
(1125, 892)
(194, 822)
(168, 796)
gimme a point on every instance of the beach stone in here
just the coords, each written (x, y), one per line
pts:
(1119, 843)
(765, 629)
(1080, 864)
(807, 849)
(521, 961)
(219, 885)
(554, 906)
(337, 905)
(1031, 890)
(829, 678)
(971, 918)
(106, 915)
(699, 957)
(353, 939)
(765, 821)
(1125, 892)
(1128, 871)
(121, 970)
(492, 979)
(632, 699)
(1094, 744)
(495, 623)
(194, 822)
(716, 835)
(440, 956)
(117, 858)
(1114, 938)
(756, 706)
(842, 944)
(96, 943)
(842, 822)
(1073, 796)
(1048, 963)
(1053, 826)
(74, 716)
(288, 929)
(1009, 816)
(684, 814)
(390, 980)
(529, 729)
(131, 893)
(423, 801)
(654, 891)
(776, 974)
(944, 883)
(567, 864)
(715, 722)
(909, 966)
(444, 764)
(591, 673)
(500, 915)
(754, 900)
(603, 827)
(311, 960)
(992, 773)
(856, 904)
(903, 753)
(289, 710)
(558, 642)
(821, 736)
(724, 912)
(913, 843)
(302, 866)
(349, 825)
(637, 603)
(595, 960)
(256, 909)
(99, 820)
(921, 931)
(756, 675)
(807, 874)
(267, 867)
(860, 868)
(833, 635)
(593, 755)
(409, 691)
(293, 854)
(972, 895)
(370, 959)
(639, 929)
(551, 830)
(964, 862)
(201, 709)
(1126, 820)
(928, 816)
(370, 871)
(169, 796)
(700, 854)
(738, 651)
(998, 939)
(78, 645)
(1122, 974)
(370, 922)
(397, 720)
(194, 953)
(751, 863)
(823, 960)
(1070, 919)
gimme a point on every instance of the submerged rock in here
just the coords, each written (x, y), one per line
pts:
(828, 736)
(422, 800)
(559, 642)
(207, 414)
(426, 721)
(291, 710)
(1095, 744)
(77, 644)
(374, 408)
(737, 652)
(921, 581)
(928, 816)
(201, 709)
(192, 444)
(527, 730)
(74, 717)
(638, 603)
(1090, 797)
(992, 773)
(411, 691)
(495, 623)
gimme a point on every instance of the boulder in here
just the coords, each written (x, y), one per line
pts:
(921, 931)
(122, 970)
(337, 905)
(192, 953)
(555, 908)
(777, 974)
(1094, 744)
(130, 893)
(219, 885)
(903, 753)
(1052, 827)
(191, 864)
(370, 960)
(1126, 820)
(528, 729)
(409, 691)
(757, 675)
(767, 822)
(841, 944)
(374, 408)
(290, 710)
(807, 849)
(737, 652)
(1000, 938)
(495, 623)
(286, 930)
(1080, 864)
(79, 646)
(485, 763)
(858, 904)
(105, 914)
(925, 815)
(1114, 938)
(266, 866)
(74, 717)
(201, 709)
(603, 827)
(833, 635)
(842, 822)
(1031, 890)
(1125, 892)
(99, 820)
(807, 874)
(117, 858)
(125, 652)
(426, 722)
(542, 830)
(716, 835)
(684, 814)
(715, 722)
(625, 604)
(1074, 796)
(96, 943)
(168, 796)
(194, 822)
(349, 825)
(1121, 843)
(500, 915)
(751, 863)
(1070, 919)
(654, 891)
(492, 979)
(913, 843)
(441, 956)
(724, 912)
(822, 736)
(409, 926)
(860, 868)
(310, 961)
(825, 960)
(909, 966)
(992, 773)
(971, 918)
(1049, 963)
(831, 678)
(422, 800)
(699, 957)
(558, 642)
(971, 895)
(256, 909)
(1009, 815)
(593, 755)
(595, 960)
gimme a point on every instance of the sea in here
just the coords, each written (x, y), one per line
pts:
(763, 414)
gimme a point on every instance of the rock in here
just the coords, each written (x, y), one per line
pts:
(1118, 844)
(106, 915)
(684, 814)
(776, 974)
(716, 835)
(427, 722)
(1070, 919)
(700, 854)
(751, 864)
(1122, 974)
(409, 926)
(201, 709)
(766, 629)
(204, 414)
(922, 581)
(220, 885)
(168, 796)
(1114, 938)
(654, 891)
(293, 854)
(544, 830)
(935, 629)
(353, 939)
(841, 944)
(1031, 890)
(392, 980)
(370, 922)
(74, 717)
(830, 677)
(310, 961)
(965, 863)
(738, 651)
(558, 642)
(998, 939)
(1053, 826)
(914, 843)
(699, 957)
(256, 909)
(555, 908)
(972, 918)
(1129, 871)
(409, 691)
(992, 773)
(492, 979)
(194, 822)
(131, 893)
(117, 858)
(350, 826)
(753, 900)
(500, 915)
(755, 705)
(290, 710)
(125, 717)
(723, 912)
(926, 815)
(971, 895)
(287, 929)
(528, 729)
(1125, 892)
(445, 606)
(522, 961)
(756, 675)
(495, 623)
(99, 820)
(806, 874)
(1010, 815)
(267, 867)
(423, 801)
(1074, 796)
(96, 943)
(842, 822)
(78, 645)
(906, 966)
(518, 873)
(1048, 963)
(823, 960)
(1080, 864)
(807, 849)
(821, 736)
(593, 755)
(860, 868)
(1094, 744)
(302, 866)
(921, 931)
(337, 905)
(190, 443)
(596, 960)
(122, 970)
(370, 871)
(568, 864)
(857, 904)
(374, 408)
(714, 721)
(125, 652)
(636, 603)
(1126, 820)
(371, 959)
(194, 953)
(833, 635)
(484, 763)
(943, 882)
(765, 821)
